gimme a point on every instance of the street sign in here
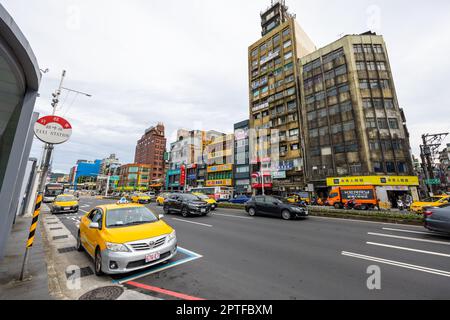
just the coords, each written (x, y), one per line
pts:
(53, 130)
(433, 182)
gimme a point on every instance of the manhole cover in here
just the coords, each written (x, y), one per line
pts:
(105, 293)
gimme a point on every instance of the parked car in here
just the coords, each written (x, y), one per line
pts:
(186, 204)
(275, 206)
(141, 198)
(65, 203)
(438, 219)
(161, 198)
(240, 200)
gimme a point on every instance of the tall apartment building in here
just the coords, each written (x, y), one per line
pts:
(134, 177)
(150, 150)
(351, 119)
(275, 96)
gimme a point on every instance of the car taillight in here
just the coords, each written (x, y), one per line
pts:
(428, 213)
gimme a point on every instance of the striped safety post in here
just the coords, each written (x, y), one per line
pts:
(34, 223)
(32, 234)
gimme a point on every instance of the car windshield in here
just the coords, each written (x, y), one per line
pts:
(282, 200)
(65, 199)
(129, 216)
(201, 196)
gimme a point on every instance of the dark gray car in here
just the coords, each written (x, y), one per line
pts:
(438, 219)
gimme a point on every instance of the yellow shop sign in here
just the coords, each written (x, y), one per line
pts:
(374, 181)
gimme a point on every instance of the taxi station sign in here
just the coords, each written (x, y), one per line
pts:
(53, 130)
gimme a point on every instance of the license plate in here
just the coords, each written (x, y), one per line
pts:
(152, 257)
(203, 210)
(67, 209)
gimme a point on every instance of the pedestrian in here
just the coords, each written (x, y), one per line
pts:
(400, 204)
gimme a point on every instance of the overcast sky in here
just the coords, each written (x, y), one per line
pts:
(184, 62)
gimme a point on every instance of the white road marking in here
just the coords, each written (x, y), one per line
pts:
(407, 238)
(232, 216)
(409, 249)
(361, 221)
(201, 224)
(397, 264)
(410, 231)
(84, 211)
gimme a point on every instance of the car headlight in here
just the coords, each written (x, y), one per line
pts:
(297, 209)
(115, 247)
(172, 236)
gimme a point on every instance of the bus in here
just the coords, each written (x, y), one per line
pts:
(216, 193)
(52, 190)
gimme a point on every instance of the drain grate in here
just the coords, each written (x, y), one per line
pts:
(105, 293)
(52, 223)
(60, 237)
(67, 250)
(54, 229)
(84, 272)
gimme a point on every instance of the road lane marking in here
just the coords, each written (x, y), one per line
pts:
(361, 221)
(232, 216)
(198, 223)
(410, 231)
(164, 291)
(407, 238)
(397, 264)
(409, 249)
(191, 257)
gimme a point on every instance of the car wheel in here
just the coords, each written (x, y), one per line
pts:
(251, 212)
(79, 244)
(337, 205)
(184, 212)
(98, 263)
(286, 215)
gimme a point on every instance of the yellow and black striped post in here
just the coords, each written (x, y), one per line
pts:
(32, 234)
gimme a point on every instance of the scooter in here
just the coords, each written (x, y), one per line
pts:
(354, 205)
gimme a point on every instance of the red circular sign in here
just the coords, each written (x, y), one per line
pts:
(53, 130)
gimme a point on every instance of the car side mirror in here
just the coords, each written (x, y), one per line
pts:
(161, 216)
(94, 225)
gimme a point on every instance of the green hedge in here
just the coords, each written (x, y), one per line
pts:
(378, 216)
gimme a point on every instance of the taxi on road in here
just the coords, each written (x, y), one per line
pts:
(435, 201)
(161, 198)
(65, 203)
(140, 198)
(125, 237)
(208, 200)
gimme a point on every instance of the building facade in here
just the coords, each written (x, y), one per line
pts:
(444, 168)
(275, 98)
(351, 119)
(220, 163)
(85, 174)
(110, 174)
(242, 180)
(134, 177)
(19, 85)
(150, 150)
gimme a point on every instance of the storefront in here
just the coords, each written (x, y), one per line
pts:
(388, 188)
(220, 176)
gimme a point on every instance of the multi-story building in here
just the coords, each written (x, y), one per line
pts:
(85, 174)
(135, 177)
(150, 150)
(351, 119)
(275, 97)
(109, 171)
(444, 168)
(220, 163)
(242, 181)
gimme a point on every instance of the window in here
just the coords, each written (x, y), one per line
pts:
(290, 91)
(286, 32)
(381, 66)
(389, 103)
(377, 167)
(371, 66)
(402, 167)
(333, 110)
(313, 133)
(378, 48)
(371, 123)
(347, 126)
(287, 44)
(360, 66)
(390, 166)
(364, 84)
(393, 123)
(382, 123)
(288, 55)
(341, 70)
(374, 145)
(292, 105)
(288, 67)
(358, 48)
(336, 128)
(323, 131)
(367, 103)
(378, 103)
(263, 47)
(294, 146)
(293, 132)
(346, 107)
(254, 52)
(312, 116)
(384, 84)
(276, 39)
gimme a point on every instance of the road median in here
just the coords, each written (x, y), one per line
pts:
(372, 215)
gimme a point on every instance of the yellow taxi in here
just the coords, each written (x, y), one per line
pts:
(65, 203)
(295, 198)
(435, 201)
(161, 198)
(141, 198)
(125, 237)
(208, 200)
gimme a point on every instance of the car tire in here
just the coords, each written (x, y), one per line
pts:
(337, 206)
(98, 263)
(166, 210)
(286, 215)
(79, 244)
(251, 212)
(185, 212)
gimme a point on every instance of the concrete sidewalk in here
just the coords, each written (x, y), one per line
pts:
(36, 286)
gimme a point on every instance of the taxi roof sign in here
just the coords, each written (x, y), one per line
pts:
(123, 201)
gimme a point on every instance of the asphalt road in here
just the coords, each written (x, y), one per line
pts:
(319, 258)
